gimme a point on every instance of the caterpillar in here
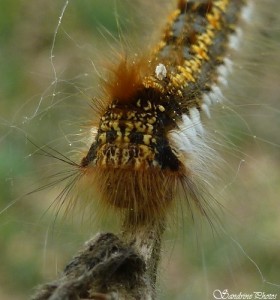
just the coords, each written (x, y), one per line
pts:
(149, 141)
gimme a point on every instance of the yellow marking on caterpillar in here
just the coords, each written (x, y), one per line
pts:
(147, 139)
(102, 138)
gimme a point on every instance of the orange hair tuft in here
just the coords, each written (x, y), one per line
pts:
(125, 80)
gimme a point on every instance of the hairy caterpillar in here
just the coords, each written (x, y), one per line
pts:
(149, 140)
(163, 72)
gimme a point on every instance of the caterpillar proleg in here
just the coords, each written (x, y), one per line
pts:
(152, 139)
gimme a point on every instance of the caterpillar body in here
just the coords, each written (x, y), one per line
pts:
(149, 141)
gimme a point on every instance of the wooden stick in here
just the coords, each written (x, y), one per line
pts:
(111, 267)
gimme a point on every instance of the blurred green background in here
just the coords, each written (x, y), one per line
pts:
(49, 108)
